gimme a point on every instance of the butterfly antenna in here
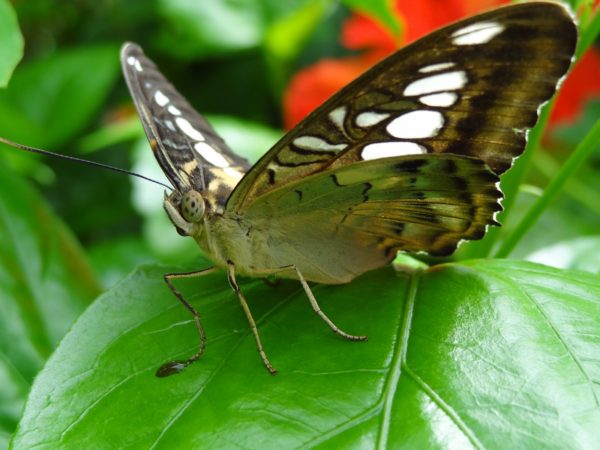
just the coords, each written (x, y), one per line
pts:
(80, 160)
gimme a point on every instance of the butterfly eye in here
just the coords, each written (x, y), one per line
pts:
(192, 206)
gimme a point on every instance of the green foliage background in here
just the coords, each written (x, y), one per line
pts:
(483, 353)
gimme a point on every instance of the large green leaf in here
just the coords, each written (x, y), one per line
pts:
(11, 49)
(45, 284)
(483, 354)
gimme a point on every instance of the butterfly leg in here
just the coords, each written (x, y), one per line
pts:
(173, 367)
(321, 314)
(246, 308)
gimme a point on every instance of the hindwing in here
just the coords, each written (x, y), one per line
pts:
(353, 218)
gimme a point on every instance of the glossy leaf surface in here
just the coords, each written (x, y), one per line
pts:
(482, 354)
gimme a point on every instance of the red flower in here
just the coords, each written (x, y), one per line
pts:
(582, 84)
(313, 85)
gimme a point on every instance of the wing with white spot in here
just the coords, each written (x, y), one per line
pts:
(472, 88)
(187, 148)
(337, 224)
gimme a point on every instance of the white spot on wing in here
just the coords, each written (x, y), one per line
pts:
(477, 33)
(436, 67)
(160, 98)
(135, 63)
(317, 144)
(233, 173)
(338, 115)
(173, 110)
(370, 118)
(448, 81)
(416, 124)
(443, 99)
(170, 126)
(185, 126)
(389, 149)
(211, 155)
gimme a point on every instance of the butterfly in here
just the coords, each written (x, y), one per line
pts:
(407, 157)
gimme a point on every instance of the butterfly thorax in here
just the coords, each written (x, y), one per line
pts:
(229, 238)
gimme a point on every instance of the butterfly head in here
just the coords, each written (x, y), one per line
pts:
(192, 207)
(186, 210)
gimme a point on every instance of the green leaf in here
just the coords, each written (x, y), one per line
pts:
(483, 354)
(45, 283)
(220, 27)
(51, 99)
(382, 10)
(11, 50)
(285, 39)
(111, 134)
(250, 140)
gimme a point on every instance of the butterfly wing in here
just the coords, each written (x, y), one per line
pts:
(472, 88)
(187, 148)
(337, 224)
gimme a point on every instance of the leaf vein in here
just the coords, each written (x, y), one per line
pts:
(398, 361)
(556, 332)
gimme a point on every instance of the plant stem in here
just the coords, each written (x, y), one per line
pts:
(589, 35)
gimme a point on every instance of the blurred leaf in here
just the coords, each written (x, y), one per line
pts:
(382, 10)
(582, 188)
(113, 259)
(220, 27)
(11, 50)
(484, 354)
(248, 139)
(571, 133)
(50, 100)
(286, 38)
(45, 283)
(111, 134)
(580, 254)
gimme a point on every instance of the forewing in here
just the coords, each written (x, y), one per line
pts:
(354, 218)
(473, 88)
(187, 148)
